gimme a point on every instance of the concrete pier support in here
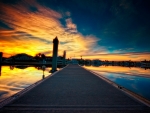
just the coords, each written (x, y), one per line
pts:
(55, 54)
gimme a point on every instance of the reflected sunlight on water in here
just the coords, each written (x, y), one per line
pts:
(14, 79)
(134, 79)
(125, 70)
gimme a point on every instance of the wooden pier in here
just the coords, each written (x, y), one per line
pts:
(74, 90)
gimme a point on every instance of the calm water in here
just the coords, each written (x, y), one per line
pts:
(135, 79)
(14, 79)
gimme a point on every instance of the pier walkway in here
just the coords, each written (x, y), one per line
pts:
(75, 90)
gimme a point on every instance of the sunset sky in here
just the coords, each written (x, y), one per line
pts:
(93, 29)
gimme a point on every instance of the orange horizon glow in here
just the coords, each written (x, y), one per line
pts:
(109, 57)
(119, 57)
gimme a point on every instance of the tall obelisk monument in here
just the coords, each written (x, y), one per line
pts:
(55, 54)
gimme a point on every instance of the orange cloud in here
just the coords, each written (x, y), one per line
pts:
(32, 32)
(37, 30)
(70, 26)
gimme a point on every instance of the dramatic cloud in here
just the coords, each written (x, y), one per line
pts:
(33, 31)
(84, 28)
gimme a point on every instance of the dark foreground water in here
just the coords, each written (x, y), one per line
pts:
(134, 79)
(14, 79)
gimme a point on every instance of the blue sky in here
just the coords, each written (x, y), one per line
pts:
(122, 24)
(84, 27)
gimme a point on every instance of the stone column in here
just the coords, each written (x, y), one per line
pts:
(55, 54)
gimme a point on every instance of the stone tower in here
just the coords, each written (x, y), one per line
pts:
(55, 54)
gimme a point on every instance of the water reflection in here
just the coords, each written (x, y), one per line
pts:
(15, 78)
(21, 66)
(11, 67)
(134, 79)
(0, 69)
(43, 68)
(124, 70)
(142, 64)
